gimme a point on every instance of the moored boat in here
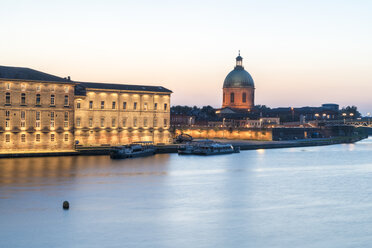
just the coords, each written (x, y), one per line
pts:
(207, 147)
(138, 149)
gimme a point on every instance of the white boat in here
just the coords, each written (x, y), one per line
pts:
(138, 149)
(207, 147)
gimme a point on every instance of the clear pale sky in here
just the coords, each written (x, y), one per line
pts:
(299, 53)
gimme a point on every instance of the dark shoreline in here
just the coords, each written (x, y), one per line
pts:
(172, 148)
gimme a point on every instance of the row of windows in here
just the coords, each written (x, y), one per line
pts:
(37, 119)
(38, 88)
(232, 97)
(125, 122)
(125, 105)
(38, 99)
(37, 137)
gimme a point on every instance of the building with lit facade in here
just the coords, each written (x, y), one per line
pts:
(112, 114)
(42, 112)
(238, 88)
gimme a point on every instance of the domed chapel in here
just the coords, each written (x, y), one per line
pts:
(238, 88)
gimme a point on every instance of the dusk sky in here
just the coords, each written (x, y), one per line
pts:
(299, 53)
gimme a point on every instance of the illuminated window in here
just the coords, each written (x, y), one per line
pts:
(23, 87)
(8, 86)
(38, 137)
(165, 106)
(7, 137)
(90, 122)
(38, 88)
(51, 119)
(232, 97)
(102, 104)
(7, 123)
(165, 122)
(113, 105)
(37, 99)
(134, 122)
(23, 118)
(66, 136)
(23, 98)
(113, 122)
(66, 89)
(145, 122)
(66, 100)
(135, 106)
(145, 106)
(37, 119)
(7, 113)
(78, 105)
(244, 97)
(7, 98)
(52, 137)
(78, 121)
(155, 106)
(66, 119)
(52, 99)
(90, 104)
(124, 105)
(23, 137)
(102, 121)
(155, 122)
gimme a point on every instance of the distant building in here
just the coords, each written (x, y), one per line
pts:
(40, 111)
(238, 88)
(182, 119)
(331, 106)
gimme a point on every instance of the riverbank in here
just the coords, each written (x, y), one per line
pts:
(172, 148)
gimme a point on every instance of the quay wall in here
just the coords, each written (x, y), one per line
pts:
(226, 133)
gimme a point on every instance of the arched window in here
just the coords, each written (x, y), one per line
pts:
(232, 96)
(37, 99)
(7, 98)
(23, 98)
(244, 97)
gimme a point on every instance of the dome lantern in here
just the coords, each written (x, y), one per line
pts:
(239, 61)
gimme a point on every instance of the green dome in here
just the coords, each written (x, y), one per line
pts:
(238, 78)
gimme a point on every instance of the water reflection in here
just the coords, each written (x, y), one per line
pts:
(36, 172)
(297, 197)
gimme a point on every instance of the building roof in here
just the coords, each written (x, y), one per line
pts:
(10, 72)
(123, 87)
(21, 73)
(238, 78)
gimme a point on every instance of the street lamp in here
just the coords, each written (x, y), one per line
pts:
(292, 110)
(344, 115)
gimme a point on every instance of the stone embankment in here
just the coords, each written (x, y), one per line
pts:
(172, 148)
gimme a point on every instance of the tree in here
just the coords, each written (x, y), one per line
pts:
(350, 111)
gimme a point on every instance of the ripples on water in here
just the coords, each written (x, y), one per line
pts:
(296, 197)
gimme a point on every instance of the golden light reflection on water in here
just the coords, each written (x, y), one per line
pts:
(260, 151)
(37, 171)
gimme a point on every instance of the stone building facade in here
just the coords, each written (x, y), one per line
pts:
(42, 112)
(36, 115)
(110, 114)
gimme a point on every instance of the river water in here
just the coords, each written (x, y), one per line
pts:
(296, 197)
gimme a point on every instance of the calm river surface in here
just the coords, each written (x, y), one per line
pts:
(296, 197)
